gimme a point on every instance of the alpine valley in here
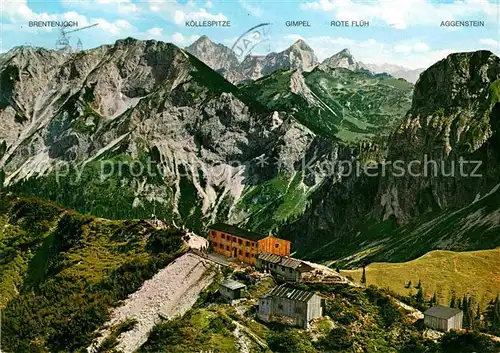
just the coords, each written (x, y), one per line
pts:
(191, 136)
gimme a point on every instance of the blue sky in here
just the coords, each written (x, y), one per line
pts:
(402, 32)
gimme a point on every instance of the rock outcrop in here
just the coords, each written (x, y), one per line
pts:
(421, 198)
(223, 60)
(343, 59)
(197, 141)
(298, 56)
(454, 115)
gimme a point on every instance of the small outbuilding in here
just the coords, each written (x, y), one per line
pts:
(290, 306)
(231, 289)
(443, 318)
(283, 267)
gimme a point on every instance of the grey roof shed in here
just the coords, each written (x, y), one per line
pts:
(442, 312)
(284, 291)
(232, 284)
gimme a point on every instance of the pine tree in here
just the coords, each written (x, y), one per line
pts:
(467, 308)
(420, 297)
(477, 318)
(363, 277)
(466, 312)
(497, 316)
(470, 312)
(433, 300)
(492, 316)
(453, 301)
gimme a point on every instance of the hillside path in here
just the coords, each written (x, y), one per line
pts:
(170, 293)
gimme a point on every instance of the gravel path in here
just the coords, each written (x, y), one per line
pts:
(197, 242)
(412, 312)
(243, 342)
(171, 292)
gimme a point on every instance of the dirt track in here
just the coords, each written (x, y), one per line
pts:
(171, 292)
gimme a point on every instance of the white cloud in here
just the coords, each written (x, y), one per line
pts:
(405, 13)
(155, 5)
(121, 6)
(209, 4)
(155, 32)
(116, 28)
(178, 38)
(418, 47)
(18, 10)
(490, 42)
(179, 13)
(421, 47)
(252, 10)
(180, 16)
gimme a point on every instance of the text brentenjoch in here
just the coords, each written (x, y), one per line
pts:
(53, 23)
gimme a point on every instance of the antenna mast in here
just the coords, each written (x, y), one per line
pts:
(62, 43)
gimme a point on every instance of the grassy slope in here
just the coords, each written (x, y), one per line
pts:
(198, 330)
(364, 103)
(348, 106)
(475, 273)
(61, 272)
(275, 201)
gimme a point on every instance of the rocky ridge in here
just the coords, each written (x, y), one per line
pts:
(141, 102)
(222, 59)
(454, 116)
(298, 56)
(343, 59)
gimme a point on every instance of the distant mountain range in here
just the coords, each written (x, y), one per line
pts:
(410, 75)
(298, 56)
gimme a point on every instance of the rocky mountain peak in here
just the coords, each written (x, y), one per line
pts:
(344, 52)
(217, 56)
(456, 81)
(298, 56)
(222, 59)
(343, 59)
(203, 39)
(201, 44)
(301, 45)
